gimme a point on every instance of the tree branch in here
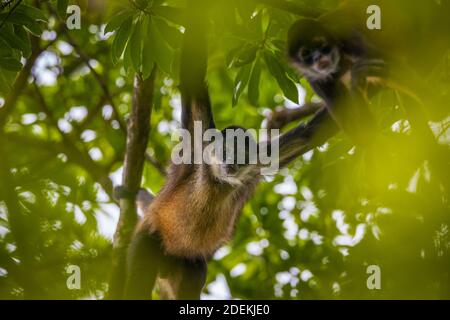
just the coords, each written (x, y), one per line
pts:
(137, 139)
(283, 116)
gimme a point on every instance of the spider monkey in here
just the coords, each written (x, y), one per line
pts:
(343, 69)
(196, 210)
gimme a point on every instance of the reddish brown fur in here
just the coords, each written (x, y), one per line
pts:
(195, 217)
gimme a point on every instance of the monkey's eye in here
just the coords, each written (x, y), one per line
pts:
(305, 55)
(325, 49)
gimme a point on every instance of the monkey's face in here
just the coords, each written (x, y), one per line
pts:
(317, 59)
(239, 149)
(313, 50)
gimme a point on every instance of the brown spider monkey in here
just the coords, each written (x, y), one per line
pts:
(196, 210)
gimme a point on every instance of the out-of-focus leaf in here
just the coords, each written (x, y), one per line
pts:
(6, 80)
(62, 7)
(171, 34)
(142, 4)
(10, 64)
(253, 85)
(276, 69)
(241, 82)
(163, 53)
(175, 15)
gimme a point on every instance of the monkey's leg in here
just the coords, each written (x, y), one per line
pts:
(144, 258)
(193, 278)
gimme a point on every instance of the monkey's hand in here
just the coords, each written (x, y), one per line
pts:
(143, 197)
(368, 72)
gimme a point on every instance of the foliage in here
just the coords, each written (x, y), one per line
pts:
(309, 232)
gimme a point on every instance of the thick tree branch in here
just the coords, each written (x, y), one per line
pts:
(137, 139)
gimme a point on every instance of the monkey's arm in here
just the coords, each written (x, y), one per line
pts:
(305, 137)
(196, 104)
(349, 109)
(337, 114)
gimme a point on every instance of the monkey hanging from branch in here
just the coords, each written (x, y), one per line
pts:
(197, 208)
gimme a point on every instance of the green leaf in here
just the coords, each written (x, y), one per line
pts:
(148, 54)
(245, 56)
(142, 4)
(121, 38)
(253, 85)
(12, 39)
(5, 49)
(10, 64)
(229, 58)
(127, 61)
(135, 45)
(172, 14)
(20, 18)
(241, 82)
(163, 53)
(62, 7)
(117, 20)
(31, 12)
(287, 85)
(171, 34)
(22, 34)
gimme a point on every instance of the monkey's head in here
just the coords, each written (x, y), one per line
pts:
(239, 149)
(312, 49)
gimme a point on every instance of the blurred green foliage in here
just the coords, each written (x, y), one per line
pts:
(310, 232)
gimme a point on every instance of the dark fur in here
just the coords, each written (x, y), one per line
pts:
(346, 86)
